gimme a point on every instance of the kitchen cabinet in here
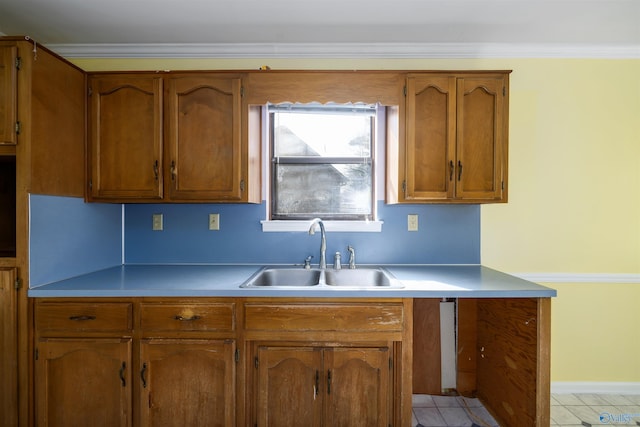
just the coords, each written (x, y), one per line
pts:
(187, 363)
(334, 386)
(327, 363)
(204, 150)
(8, 94)
(171, 138)
(125, 131)
(83, 381)
(187, 380)
(175, 367)
(8, 347)
(455, 144)
(83, 364)
(39, 92)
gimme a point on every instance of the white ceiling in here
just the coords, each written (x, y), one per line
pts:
(324, 27)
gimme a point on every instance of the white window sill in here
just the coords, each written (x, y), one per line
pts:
(330, 226)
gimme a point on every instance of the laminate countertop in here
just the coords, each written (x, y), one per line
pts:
(213, 280)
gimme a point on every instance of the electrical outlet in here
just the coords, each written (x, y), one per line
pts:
(157, 222)
(412, 222)
(214, 221)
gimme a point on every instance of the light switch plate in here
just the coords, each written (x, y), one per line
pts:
(214, 221)
(412, 222)
(157, 222)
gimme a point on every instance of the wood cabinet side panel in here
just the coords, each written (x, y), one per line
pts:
(508, 363)
(426, 346)
(466, 383)
(57, 122)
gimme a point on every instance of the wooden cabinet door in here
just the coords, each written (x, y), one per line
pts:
(290, 384)
(204, 138)
(125, 137)
(8, 347)
(8, 94)
(431, 137)
(480, 137)
(187, 382)
(456, 138)
(83, 382)
(358, 390)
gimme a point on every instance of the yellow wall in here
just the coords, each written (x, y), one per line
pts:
(574, 193)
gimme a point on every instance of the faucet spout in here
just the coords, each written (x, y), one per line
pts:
(323, 240)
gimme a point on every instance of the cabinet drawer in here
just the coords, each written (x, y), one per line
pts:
(86, 317)
(188, 317)
(386, 317)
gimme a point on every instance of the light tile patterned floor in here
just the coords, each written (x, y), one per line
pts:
(449, 411)
(567, 410)
(588, 410)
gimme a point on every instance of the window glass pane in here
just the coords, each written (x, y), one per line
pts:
(325, 190)
(332, 134)
(322, 161)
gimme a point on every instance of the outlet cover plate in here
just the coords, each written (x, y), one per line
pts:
(214, 221)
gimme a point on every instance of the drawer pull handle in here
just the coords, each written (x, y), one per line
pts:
(186, 319)
(82, 318)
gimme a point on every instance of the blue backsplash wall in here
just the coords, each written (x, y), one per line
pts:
(69, 237)
(447, 235)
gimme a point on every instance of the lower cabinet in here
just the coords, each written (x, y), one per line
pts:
(330, 386)
(8, 346)
(251, 362)
(187, 382)
(83, 382)
(131, 362)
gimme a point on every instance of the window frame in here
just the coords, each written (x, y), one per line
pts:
(347, 223)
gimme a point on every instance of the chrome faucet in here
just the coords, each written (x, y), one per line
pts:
(323, 240)
(352, 257)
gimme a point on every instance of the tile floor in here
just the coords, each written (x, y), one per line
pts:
(567, 410)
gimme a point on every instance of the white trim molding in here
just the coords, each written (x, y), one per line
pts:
(331, 226)
(347, 50)
(589, 387)
(580, 277)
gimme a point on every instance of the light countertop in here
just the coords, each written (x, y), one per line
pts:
(185, 280)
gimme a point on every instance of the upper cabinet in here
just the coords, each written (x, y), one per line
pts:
(125, 116)
(203, 140)
(174, 138)
(454, 146)
(8, 94)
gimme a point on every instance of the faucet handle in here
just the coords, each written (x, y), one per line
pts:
(307, 262)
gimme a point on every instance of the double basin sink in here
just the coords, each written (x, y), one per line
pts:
(288, 277)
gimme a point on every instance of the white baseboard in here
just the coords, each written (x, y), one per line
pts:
(587, 387)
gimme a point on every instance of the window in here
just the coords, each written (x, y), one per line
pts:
(322, 161)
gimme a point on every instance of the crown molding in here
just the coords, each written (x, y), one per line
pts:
(347, 50)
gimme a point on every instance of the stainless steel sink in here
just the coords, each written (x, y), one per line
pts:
(360, 278)
(366, 277)
(275, 276)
